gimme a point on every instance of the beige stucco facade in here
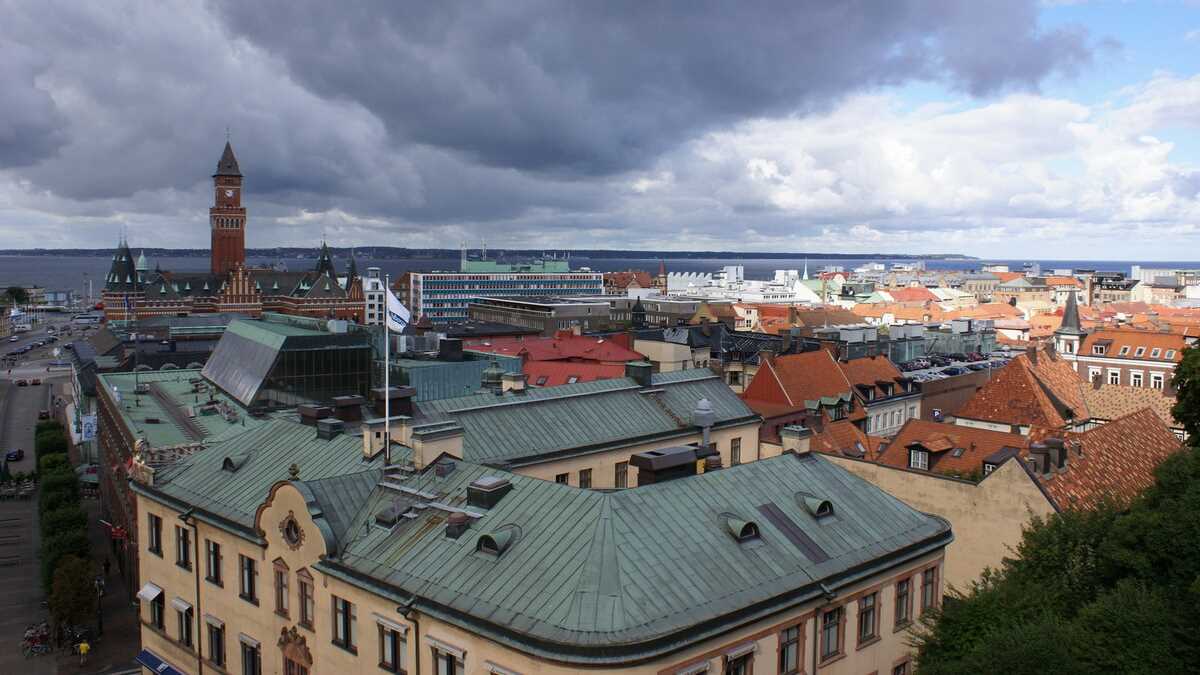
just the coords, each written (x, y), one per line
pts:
(277, 632)
(987, 517)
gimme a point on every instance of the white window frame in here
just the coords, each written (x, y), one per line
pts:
(1095, 373)
(1139, 352)
(1157, 380)
(1124, 351)
(1098, 350)
(1114, 376)
(918, 459)
(1137, 378)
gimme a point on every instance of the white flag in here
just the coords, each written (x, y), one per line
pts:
(398, 315)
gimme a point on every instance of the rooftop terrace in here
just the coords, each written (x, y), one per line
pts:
(173, 407)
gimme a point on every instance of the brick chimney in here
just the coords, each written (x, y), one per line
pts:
(430, 441)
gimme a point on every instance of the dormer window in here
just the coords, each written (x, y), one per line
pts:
(1124, 350)
(988, 468)
(1099, 349)
(1169, 355)
(918, 459)
(1154, 353)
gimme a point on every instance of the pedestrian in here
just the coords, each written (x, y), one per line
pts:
(84, 648)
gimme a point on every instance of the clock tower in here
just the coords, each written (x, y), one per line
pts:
(227, 217)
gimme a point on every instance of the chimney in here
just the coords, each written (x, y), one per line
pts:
(712, 463)
(513, 382)
(704, 417)
(402, 400)
(348, 408)
(400, 429)
(796, 438)
(664, 464)
(457, 524)
(1041, 455)
(487, 491)
(330, 428)
(1057, 455)
(640, 371)
(450, 349)
(430, 441)
(310, 413)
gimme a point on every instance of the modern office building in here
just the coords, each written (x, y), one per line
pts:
(444, 296)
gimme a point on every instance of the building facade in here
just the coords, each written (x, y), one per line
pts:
(445, 296)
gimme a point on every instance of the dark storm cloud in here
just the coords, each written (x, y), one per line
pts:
(594, 88)
(31, 128)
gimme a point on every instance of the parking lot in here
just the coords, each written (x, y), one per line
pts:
(943, 366)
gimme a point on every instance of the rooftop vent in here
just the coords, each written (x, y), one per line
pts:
(457, 524)
(742, 530)
(496, 543)
(816, 507)
(330, 428)
(444, 468)
(487, 491)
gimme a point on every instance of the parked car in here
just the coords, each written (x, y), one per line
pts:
(22, 383)
(14, 338)
(35, 381)
(953, 370)
(15, 455)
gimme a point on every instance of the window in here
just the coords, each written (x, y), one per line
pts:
(251, 659)
(790, 649)
(572, 379)
(1154, 353)
(563, 478)
(735, 451)
(216, 644)
(900, 669)
(903, 602)
(154, 535)
(929, 582)
(158, 611)
(831, 633)
(1094, 373)
(281, 590)
(447, 663)
(1156, 380)
(393, 650)
(183, 547)
(307, 606)
(1169, 355)
(988, 468)
(621, 479)
(739, 665)
(343, 623)
(918, 459)
(1114, 376)
(867, 615)
(1140, 351)
(541, 381)
(212, 557)
(1098, 349)
(247, 576)
(184, 618)
(1124, 351)
(585, 478)
(1135, 378)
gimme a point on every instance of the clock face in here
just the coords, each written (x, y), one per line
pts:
(229, 193)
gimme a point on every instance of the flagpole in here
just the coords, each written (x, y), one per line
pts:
(387, 388)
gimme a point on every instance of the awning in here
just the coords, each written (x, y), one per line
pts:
(155, 663)
(181, 604)
(149, 592)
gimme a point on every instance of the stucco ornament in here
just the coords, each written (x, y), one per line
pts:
(294, 646)
(293, 534)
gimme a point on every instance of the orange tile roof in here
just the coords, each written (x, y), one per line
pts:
(841, 438)
(987, 310)
(1110, 401)
(912, 294)
(1120, 339)
(555, 373)
(796, 378)
(625, 279)
(1115, 460)
(558, 348)
(953, 449)
(1062, 281)
(870, 370)
(1008, 276)
(1039, 390)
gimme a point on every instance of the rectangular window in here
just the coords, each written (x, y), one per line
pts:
(1094, 373)
(212, 558)
(247, 577)
(281, 590)
(585, 478)
(158, 608)
(918, 459)
(343, 623)
(900, 669)
(903, 602)
(1156, 380)
(1098, 349)
(216, 644)
(183, 547)
(1169, 355)
(154, 535)
(392, 650)
(1154, 353)
(831, 633)
(564, 478)
(307, 605)
(735, 451)
(1114, 377)
(1124, 351)
(251, 660)
(929, 582)
(621, 479)
(184, 618)
(867, 614)
(446, 663)
(1135, 378)
(1140, 351)
(790, 650)
(740, 665)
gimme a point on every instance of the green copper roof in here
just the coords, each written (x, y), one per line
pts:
(263, 455)
(171, 412)
(614, 577)
(585, 416)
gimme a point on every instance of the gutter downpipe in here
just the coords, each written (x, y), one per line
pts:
(828, 596)
(197, 640)
(409, 613)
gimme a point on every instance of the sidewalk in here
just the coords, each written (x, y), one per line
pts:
(116, 649)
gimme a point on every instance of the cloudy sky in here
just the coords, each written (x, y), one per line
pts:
(994, 128)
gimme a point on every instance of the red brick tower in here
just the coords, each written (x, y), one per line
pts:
(227, 216)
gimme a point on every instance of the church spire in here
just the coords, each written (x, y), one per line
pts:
(228, 164)
(1070, 322)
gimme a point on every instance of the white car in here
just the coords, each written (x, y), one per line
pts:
(13, 338)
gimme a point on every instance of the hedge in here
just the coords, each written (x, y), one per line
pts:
(50, 442)
(52, 501)
(54, 463)
(62, 544)
(64, 519)
(47, 425)
(64, 481)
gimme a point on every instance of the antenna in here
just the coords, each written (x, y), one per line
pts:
(226, 133)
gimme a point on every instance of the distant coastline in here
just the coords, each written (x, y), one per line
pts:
(398, 253)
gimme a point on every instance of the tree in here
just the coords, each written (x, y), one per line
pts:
(50, 442)
(16, 295)
(1187, 387)
(73, 592)
(69, 518)
(60, 546)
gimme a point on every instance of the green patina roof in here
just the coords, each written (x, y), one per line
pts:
(264, 454)
(172, 401)
(613, 577)
(582, 416)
